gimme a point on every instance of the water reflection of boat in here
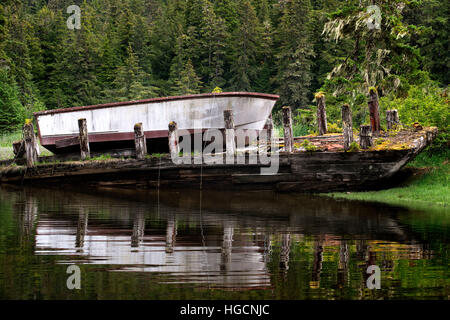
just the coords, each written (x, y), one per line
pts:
(208, 242)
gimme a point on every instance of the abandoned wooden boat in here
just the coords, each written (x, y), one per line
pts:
(110, 126)
(304, 171)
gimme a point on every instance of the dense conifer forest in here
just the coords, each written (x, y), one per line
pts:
(136, 49)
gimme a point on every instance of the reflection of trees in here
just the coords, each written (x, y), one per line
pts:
(317, 264)
(343, 266)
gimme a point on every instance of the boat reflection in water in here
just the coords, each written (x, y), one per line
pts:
(223, 240)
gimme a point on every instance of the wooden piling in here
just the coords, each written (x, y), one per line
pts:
(374, 111)
(139, 141)
(365, 137)
(287, 129)
(29, 140)
(229, 132)
(174, 148)
(19, 149)
(269, 128)
(84, 139)
(347, 126)
(391, 119)
(321, 113)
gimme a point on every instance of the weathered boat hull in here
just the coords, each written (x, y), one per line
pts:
(298, 171)
(111, 125)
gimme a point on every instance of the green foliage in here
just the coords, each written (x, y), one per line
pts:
(12, 112)
(428, 188)
(427, 105)
(333, 128)
(308, 145)
(354, 147)
(295, 57)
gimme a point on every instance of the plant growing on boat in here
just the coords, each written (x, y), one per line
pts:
(354, 147)
(217, 90)
(153, 155)
(333, 128)
(319, 95)
(105, 156)
(308, 146)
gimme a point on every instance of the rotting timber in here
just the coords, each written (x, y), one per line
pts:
(303, 171)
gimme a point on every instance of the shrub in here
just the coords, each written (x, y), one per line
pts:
(354, 147)
(333, 128)
(308, 146)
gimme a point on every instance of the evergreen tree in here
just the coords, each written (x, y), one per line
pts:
(183, 77)
(295, 55)
(214, 38)
(246, 39)
(187, 82)
(131, 83)
(12, 113)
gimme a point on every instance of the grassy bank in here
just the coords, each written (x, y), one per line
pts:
(429, 185)
(6, 140)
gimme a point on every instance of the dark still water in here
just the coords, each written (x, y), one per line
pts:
(216, 245)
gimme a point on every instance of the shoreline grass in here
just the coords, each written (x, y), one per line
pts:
(429, 186)
(6, 141)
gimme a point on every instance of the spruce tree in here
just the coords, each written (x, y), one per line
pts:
(245, 46)
(12, 113)
(295, 55)
(213, 39)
